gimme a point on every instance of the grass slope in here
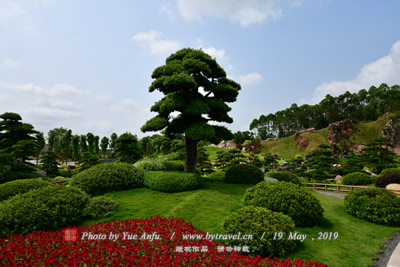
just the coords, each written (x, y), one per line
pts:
(207, 208)
(286, 147)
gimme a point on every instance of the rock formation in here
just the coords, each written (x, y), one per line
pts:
(339, 131)
(391, 130)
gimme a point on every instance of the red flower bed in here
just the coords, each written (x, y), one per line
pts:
(41, 248)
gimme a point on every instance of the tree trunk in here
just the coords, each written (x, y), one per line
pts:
(191, 155)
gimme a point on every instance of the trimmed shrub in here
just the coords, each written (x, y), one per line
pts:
(286, 176)
(101, 207)
(290, 199)
(390, 170)
(244, 174)
(261, 223)
(59, 178)
(10, 189)
(47, 208)
(170, 182)
(217, 176)
(151, 164)
(357, 178)
(376, 205)
(389, 178)
(174, 165)
(106, 177)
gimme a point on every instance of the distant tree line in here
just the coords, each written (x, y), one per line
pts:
(362, 106)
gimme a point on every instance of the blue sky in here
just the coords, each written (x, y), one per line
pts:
(86, 64)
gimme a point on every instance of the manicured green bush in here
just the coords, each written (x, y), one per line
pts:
(106, 177)
(64, 166)
(59, 178)
(286, 176)
(389, 178)
(101, 207)
(290, 199)
(174, 165)
(244, 174)
(390, 170)
(217, 176)
(151, 164)
(170, 182)
(357, 178)
(261, 223)
(10, 189)
(47, 208)
(375, 205)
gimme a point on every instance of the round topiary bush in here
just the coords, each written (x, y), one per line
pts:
(357, 178)
(106, 177)
(244, 174)
(375, 205)
(390, 178)
(286, 176)
(217, 176)
(170, 182)
(47, 208)
(263, 225)
(290, 199)
(10, 189)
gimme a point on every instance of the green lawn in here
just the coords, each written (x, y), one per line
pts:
(206, 208)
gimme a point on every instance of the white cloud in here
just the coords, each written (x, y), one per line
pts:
(10, 63)
(9, 10)
(218, 54)
(151, 40)
(250, 79)
(296, 3)
(244, 12)
(62, 105)
(383, 70)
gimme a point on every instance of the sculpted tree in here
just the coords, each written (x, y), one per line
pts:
(196, 91)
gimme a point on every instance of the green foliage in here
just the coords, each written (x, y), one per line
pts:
(244, 174)
(203, 161)
(65, 173)
(127, 149)
(357, 178)
(261, 223)
(217, 176)
(286, 176)
(151, 164)
(375, 205)
(10, 189)
(59, 179)
(243, 137)
(390, 170)
(48, 208)
(180, 80)
(171, 182)
(174, 165)
(104, 144)
(101, 207)
(389, 178)
(87, 161)
(18, 141)
(161, 144)
(49, 162)
(366, 105)
(290, 199)
(106, 177)
(377, 156)
(320, 160)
